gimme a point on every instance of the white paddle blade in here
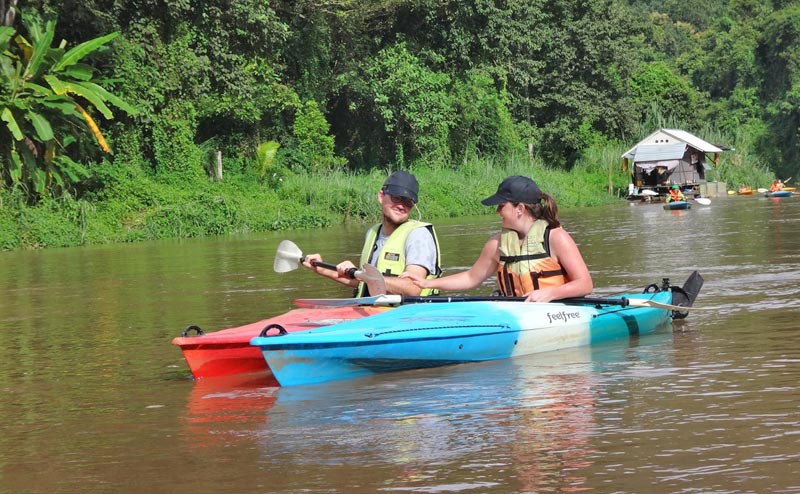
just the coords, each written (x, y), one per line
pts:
(370, 275)
(703, 201)
(287, 258)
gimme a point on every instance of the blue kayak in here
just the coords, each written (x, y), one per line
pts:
(435, 334)
(677, 205)
(778, 193)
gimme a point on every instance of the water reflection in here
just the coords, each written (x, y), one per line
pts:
(219, 409)
(525, 423)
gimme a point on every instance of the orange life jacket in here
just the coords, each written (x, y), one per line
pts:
(528, 267)
(675, 195)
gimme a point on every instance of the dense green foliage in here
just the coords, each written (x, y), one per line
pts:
(40, 105)
(309, 103)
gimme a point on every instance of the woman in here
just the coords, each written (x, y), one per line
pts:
(533, 257)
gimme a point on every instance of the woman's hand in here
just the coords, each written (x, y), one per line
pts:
(416, 279)
(541, 295)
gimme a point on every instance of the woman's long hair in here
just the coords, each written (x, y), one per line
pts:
(546, 209)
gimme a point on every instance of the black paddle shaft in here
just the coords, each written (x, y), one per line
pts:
(467, 298)
(350, 272)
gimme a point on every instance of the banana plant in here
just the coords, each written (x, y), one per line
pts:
(47, 97)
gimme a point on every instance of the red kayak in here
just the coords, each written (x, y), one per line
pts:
(228, 352)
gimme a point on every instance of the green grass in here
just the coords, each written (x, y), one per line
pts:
(134, 206)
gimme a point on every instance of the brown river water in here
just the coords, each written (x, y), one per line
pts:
(95, 399)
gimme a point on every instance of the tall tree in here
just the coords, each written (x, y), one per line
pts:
(564, 63)
(779, 57)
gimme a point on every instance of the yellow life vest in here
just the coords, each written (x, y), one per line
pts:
(528, 267)
(392, 257)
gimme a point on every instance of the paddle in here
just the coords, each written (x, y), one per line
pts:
(289, 256)
(761, 190)
(703, 201)
(401, 299)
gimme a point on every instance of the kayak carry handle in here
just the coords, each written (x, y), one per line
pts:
(192, 327)
(265, 332)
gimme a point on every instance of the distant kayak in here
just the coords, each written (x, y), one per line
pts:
(778, 193)
(677, 205)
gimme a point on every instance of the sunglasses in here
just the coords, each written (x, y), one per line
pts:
(405, 201)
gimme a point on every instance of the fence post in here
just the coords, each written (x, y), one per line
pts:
(218, 171)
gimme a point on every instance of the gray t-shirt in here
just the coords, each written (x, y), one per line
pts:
(420, 249)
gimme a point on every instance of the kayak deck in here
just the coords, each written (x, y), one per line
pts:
(428, 335)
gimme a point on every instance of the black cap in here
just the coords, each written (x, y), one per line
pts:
(403, 184)
(515, 189)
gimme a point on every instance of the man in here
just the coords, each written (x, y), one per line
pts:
(394, 246)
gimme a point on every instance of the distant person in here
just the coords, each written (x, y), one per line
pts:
(396, 245)
(776, 185)
(532, 257)
(675, 194)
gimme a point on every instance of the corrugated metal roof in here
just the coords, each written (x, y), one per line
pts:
(692, 140)
(673, 136)
(659, 152)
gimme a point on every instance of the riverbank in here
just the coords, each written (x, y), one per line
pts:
(133, 206)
